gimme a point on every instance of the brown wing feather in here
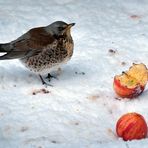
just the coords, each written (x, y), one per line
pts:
(31, 43)
(36, 38)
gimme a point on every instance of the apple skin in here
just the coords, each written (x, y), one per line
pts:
(126, 92)
(131, 126)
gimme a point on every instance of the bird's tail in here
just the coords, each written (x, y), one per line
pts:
(4, 48)
(9, 52)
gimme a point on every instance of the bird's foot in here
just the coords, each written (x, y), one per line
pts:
(45, 83)
(49, 77)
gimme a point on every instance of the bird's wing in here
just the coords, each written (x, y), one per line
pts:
(30, 43)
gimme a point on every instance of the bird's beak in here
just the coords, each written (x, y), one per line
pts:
(70, 25)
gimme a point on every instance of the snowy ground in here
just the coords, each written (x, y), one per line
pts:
(81, 109)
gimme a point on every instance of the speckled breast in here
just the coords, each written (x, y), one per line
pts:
(50, 57)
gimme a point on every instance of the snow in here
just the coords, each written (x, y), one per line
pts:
(80, 110)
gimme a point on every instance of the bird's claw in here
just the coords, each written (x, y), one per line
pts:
(49, 77)
(47, 84)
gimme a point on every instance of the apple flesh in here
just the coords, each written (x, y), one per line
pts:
(132, 82)
(131, 126)
(125, 92)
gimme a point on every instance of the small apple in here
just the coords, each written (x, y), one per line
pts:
(131, 126)
(132, 82)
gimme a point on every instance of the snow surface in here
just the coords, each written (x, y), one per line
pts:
(81, 109)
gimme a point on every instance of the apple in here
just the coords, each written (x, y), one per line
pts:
(125, 91)
(131, 126)
(131, 83)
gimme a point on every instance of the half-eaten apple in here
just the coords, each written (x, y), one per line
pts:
(131, 83)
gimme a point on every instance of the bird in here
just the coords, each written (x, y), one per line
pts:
(42, 49)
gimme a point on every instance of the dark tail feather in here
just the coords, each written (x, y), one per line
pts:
(10, 53)
(13, 55)
(4, 48)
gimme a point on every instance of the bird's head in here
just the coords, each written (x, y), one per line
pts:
(60, 28)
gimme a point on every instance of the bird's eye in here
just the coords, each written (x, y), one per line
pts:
(60, 28)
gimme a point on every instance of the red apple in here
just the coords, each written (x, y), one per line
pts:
(132, 82)
(131, 126)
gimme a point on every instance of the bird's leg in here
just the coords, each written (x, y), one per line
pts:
(49, 77)
(43, 82)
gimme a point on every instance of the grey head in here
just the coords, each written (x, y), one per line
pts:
(59, 28)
